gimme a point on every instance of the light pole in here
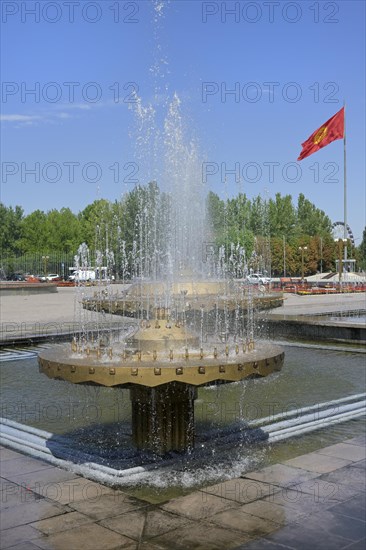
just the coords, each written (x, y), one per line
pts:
(302, 248)
(284, 256)
(340, 254)
(321, 254)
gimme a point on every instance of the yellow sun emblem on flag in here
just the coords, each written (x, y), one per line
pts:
(320, 135)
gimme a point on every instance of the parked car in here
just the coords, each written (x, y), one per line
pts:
(16, 277)
(258, 278)
(53, 278)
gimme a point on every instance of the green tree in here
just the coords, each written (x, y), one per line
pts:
(215, 208)
(64, 232)
(34, 230)
(257, 216)
(361, 252)
(282, 216)
(94, 220)
(10, 229)
(238, 223)
(311, 220)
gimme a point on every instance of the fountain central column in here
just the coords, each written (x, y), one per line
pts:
(163, 417)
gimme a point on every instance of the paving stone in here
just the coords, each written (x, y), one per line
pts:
(273, 512)
(108, 505)
(7, 454)
(17, 535)
(73, 490)
(43, 477)
(295, 499)
(333, 523)
(13, 495)
(316, 462)
(346, 451)
(359, 545)
(281, 475)
(241, 490)
(362, 500)
(201, 536)
(327, 491)
(8, 486)
(156, 495)
(86, 537)
(358, 440)
(22, 465)
(349, 477)
(199, 505)
(24, 546)
(263, 544)
(239, 520)
(353, 508)
(60, 523)
(307, 535)
(5, 482)
(29, 512)
(150, 545)
(359, 464)
(145, 523)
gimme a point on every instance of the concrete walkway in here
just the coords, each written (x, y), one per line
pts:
(313, 501)
(33, 317)
(296, 304)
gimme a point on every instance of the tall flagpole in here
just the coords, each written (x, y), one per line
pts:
(345, 187)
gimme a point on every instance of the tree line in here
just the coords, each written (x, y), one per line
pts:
(274, 228)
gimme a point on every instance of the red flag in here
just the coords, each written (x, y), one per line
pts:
(330, 131)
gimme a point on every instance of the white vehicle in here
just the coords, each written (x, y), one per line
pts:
(90, 275)
(53, 277)
(258, 279)
(82, 275)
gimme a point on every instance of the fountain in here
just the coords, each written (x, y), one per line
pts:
(189, 332)
(194, 324)
(162, 363)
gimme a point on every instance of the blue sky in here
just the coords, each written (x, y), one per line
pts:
(291, 66)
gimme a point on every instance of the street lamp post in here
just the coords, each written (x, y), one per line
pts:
(303, 249)
(341, 244)
(321, 254)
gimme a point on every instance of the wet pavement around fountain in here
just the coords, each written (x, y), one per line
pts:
(313, 500)
(311, 495)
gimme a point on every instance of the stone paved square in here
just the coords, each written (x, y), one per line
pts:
(282, 475)
(317, 462)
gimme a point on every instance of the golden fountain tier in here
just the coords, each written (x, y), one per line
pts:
(152, 369)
